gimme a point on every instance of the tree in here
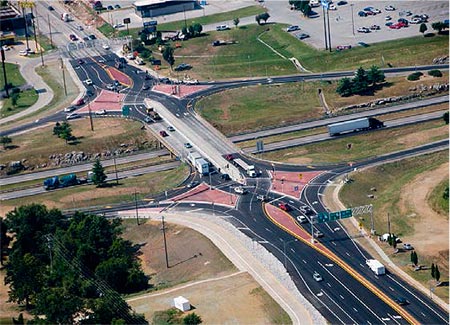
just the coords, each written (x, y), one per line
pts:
(445, 117)
(445, 194)
(433, 271)
(66, 134)
(258, 19)
(345, 87)
(302, 5)
(57, 129)
(414, 258)
(192, 319)
(236, 22)
(58, 305)
(14, 98)
(5, 140)
(375, 75)
(360, 81)
(394, 241)
(264, 16)
(168, 56)
(191, 31)
(439, 26)
(437, 274)
(184, 31)
(63, 131)
(99, 176)
(198, 28)
(423, 28)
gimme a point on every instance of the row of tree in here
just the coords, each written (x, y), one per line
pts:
(302, 5)
(63, 268)
(361, 82)
(63, 131)
(262, 17)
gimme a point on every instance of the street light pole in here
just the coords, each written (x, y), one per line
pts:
(165, 243)
(353, 21)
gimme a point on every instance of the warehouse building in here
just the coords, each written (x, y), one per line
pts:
(155, 8)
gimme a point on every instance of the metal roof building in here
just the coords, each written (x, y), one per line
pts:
(155, 8)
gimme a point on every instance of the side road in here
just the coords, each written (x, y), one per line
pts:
(243, 255)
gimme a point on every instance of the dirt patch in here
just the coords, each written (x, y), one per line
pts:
(430, 237)
(8, 309)
(412, 139)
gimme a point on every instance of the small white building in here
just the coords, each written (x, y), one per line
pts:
(181, 303)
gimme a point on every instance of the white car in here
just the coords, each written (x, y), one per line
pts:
(88, 82)
(222, 27)
(317, 277)
(389, 8)
(130, 56)
(6, 48)
(120, 25)
(100, 112)
(191, 81)
(292, 28)
(407, 247)
(23, 53)
(240, 190)
(302, 219)
(72, 116)
(105, 46)
(332, 7)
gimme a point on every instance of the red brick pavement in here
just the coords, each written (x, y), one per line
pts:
(202, 193)
(286, 182)
(107, 100)
(178, 91)
(121, 77)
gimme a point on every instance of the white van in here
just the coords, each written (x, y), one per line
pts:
(314, 3)
(222, 27)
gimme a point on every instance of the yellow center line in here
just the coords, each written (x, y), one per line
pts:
(326, 252)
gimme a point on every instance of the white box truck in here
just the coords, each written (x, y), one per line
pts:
(193, 156)
(202, 166)
(376, 267)
(249, 169)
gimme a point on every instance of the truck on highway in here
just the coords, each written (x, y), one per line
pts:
(63, 181)
(249, 169)
(361, 124)
(376, 267)
(200, 164)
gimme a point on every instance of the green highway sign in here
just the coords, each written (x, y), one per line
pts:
(333, 216)
(126, 110)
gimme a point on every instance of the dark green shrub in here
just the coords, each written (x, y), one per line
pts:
(435, 73)
(415, 76)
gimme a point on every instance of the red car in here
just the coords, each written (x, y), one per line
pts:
(163, 133)
(80, 102)
(284, 206)
(229, 157)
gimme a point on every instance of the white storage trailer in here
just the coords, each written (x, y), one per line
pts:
(193, 156)
(202, 166)
(366, 123)
(376, 267)
(181, 303)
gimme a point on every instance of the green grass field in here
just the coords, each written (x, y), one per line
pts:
(436, 199)
(364, 146)
(26, 99)
(13, 75)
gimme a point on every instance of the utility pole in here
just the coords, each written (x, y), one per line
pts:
(115, 170)
(372, 227)
(90, 114)
(165, 242)
(389, 224)
(26, 23)
(49, 245)
(50, 29)
(64, 76)
(136, 206)
(329, 30)
(324, 28)
(353, 20)
(4, 71)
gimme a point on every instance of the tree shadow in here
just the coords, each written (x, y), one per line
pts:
(443, 284)
(11, 147)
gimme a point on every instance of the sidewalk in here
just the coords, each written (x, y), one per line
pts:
(27, 69)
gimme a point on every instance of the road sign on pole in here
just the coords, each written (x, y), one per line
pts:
(333, 216)
(300, 176)
(126, 110)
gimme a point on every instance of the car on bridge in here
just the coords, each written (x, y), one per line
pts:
(163, 133)
(302, 219)
(317, 277)
(240, 190)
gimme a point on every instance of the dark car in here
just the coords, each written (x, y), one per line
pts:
(117, 6)
(50, 8)
(401, 301)
(164, 80)
(80, 61)
(225, 177)
(163, 133)
(155, 62)
(302, 36)
(341, 3)
(403, 21)
(183, 66)
(229, 157)
(110, 8)
(145, 87)
(86, 38)
(193, 184)
(92, 37)
(362, 14)
(363, 44)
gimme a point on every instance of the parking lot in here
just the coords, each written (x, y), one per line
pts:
(341, 21)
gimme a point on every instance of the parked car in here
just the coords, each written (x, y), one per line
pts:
(187, 145)
(73, 37)
(105, 46)
(171, 128)
(415, 21)
(163, 133)
(222, 27)
(148, 119)
(117, 7)
(23, 53)
(302, 36)
(183, 66)
(292, 28)
(229, 157)
(363, 44)
(389, 23)
(375, 27)
(79, 27)
(403, 21)
(343, 47)
(317, 277)
(155, 62)
(341, 3)
(407, 247)
(145, 87)
(332, 7)
(110, 8)
(389, 8)
(92, 37)
(100, 112)
(50, 8)
(362, 14)
(387, 18)
(6, 47)
(363, 30)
